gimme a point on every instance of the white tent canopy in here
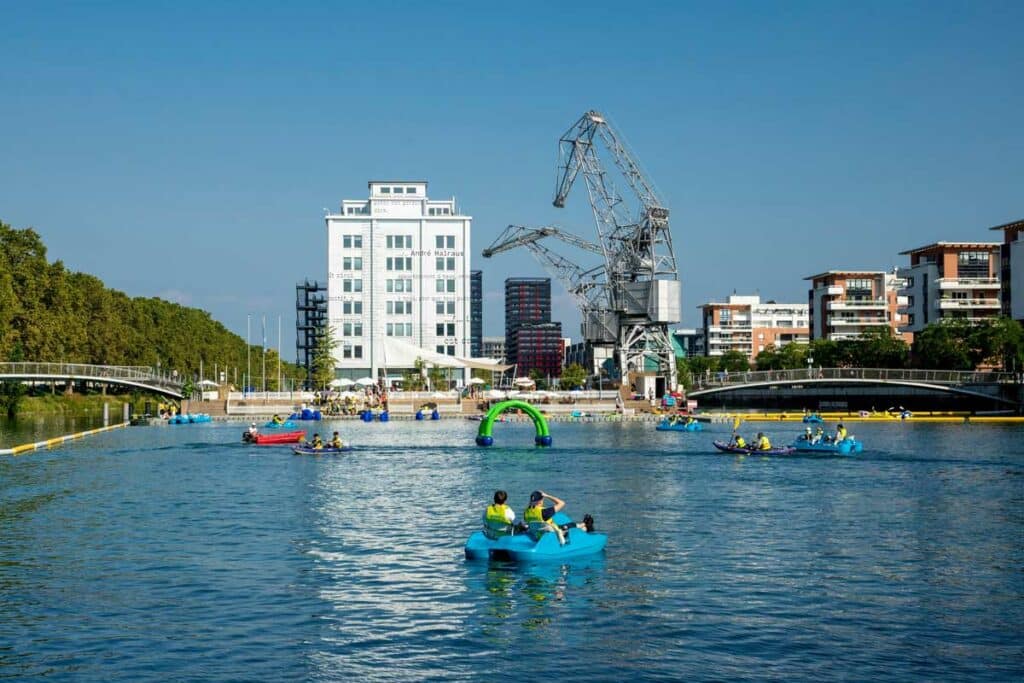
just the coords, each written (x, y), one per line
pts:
(477, 380)
(365, 381)
(400, 354)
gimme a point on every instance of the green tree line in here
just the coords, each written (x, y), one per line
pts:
(51, 314)
(951, 344)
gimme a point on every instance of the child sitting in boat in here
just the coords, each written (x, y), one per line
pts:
(336, 442)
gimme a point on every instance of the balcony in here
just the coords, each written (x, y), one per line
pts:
(850, 322)
(960, 304)
(969, 283)
(854, 304)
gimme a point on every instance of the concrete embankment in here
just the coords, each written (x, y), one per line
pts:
(57, 440)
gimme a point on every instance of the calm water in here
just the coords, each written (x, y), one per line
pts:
(176, 553)
(14, 432)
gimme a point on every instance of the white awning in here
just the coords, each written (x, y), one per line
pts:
(400, 354)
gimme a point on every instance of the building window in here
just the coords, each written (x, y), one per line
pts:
(972, 264)
(399, 241)
(352, 263)
(859, 289)
(346, 352)
(451, 329)
(352, 330)
(440, 329)
(399, 190)
(399, 263)
(399, 308)
(451, 349)
(439, 348)
(400, 285)
(352, 308)
(410, 190)
(352, 241)
(444, 241)
(385, 190)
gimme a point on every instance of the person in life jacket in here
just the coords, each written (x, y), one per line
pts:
(336, 442)
(277, 420)
(818, 434)
(318, 443)
(739, 441)
(498, 517)
(840, 433)
(252, 429)
(763, 444)
(536, 513)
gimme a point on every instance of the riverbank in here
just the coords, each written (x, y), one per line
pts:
(78, 405)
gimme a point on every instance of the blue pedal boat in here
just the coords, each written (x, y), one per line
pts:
(525, 547)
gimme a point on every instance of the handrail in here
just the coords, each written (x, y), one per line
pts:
(953, 377)
(137, 374)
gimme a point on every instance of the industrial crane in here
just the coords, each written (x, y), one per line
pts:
(628, 303)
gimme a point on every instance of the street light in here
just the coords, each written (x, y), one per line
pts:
(810, 363)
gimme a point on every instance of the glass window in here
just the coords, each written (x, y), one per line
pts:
(450, 263)
(451, 329)
(347, 351)
(451, 285)
(346, 263)
(357, 351)
(357, 263)
(389, 241)
(439, 263)
(451, 308)
(346, 240)
(440, 285)
(357, 241)
(440, 329)
(439, 348)
(410, 190)
(346, 285)
(450, 239)
(399, 190)
(385, 190)
(439, 242)
(440, 308)
(357, 285)
(390, 285)
(451, 350)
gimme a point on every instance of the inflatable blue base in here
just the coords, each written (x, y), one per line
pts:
(543, 440)
(847, 446)
(306, 414)
(484, 440)
(666, 426)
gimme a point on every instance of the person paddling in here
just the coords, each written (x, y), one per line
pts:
(536, 513)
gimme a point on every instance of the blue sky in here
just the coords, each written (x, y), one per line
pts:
(187, 150)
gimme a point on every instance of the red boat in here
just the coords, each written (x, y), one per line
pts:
(275, 437)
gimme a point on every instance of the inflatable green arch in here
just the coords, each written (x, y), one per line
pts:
(484, 438)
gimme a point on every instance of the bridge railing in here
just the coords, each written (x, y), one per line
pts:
(137, 374)
(951, 377)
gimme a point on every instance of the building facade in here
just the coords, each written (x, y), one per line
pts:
(494, 347)
(1011, 270)
(310, 319)
(476, 313)
(745, 324)
(687, 342)
(532, 340)
(950, 280)
(844, 304)
(398, 266)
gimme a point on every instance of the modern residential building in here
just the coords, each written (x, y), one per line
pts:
(846, 303)
(745, 324)
(950, 280)
(476, 313)
(310, 319)
(687, 342)
(494, 347)
(1011, 269)
(591, 358)
(398, 267)
(532, 340)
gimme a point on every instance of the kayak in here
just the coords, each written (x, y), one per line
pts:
(847, 446)
(326, 450)
(522, 547)
(666, 426)
(275, 438)
(781, 450)
(279, 425)
(813, 419)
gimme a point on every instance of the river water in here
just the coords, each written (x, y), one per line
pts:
(175, 552)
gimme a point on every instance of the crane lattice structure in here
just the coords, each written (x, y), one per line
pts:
(628, 302)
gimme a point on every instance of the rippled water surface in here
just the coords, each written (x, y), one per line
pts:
(176, 553)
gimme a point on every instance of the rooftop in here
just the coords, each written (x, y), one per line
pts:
(1014, 225)
(950, 245)
(845, 272)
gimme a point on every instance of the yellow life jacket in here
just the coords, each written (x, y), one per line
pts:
(741, 442)
(318, 443)
(336, 442)
(764, 444)
(496, 514)
(840, 433)
(534, 514)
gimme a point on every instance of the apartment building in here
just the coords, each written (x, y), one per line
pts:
(950, 280)
(1011, 269)
(398, 267)
(745, 324)
(844, 304)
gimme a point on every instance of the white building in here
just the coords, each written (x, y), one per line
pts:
(745, 324)
(950, 280)
(398, 268)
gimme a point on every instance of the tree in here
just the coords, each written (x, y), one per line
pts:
(323, 357)
(734, 361)
(793, 356)
(538, 378)
(879, 348)
(413, 380)
(825, 352)
(940, 347)
(769, 359)
(573, 376)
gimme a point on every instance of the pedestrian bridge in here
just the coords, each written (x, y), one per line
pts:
(877, 383)
(133, 377)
